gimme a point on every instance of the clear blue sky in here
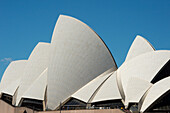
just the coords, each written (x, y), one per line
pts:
(24, 23)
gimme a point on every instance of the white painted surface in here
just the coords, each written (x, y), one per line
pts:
(77, 56)
(37, 88)
(139, 47)
(136, 89)
(37, 63)
(86, 92)
(108, 91)
(11, 76)
(156, 91)
(10, 89)
(145, 67)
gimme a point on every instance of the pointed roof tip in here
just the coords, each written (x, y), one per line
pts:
(73, 29)
(66, 16)
(73, 18)
(138, 36)
(141, 37)
(40, 43)
(61, 15)
(38, 46)
(139, 46)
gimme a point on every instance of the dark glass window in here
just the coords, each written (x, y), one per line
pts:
(32, 104)
(161, 105)
(7, 98)
(110, 104)
(163, 73)
(74, 104)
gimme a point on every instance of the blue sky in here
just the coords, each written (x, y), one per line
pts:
(24, 23)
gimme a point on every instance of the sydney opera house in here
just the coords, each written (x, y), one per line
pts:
(77, 71)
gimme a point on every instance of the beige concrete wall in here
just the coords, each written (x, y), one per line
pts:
(22, 109)
(6, 108)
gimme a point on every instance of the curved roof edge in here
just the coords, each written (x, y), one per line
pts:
(91, 87)
(94, 32)
(37, 63)
(110, 89)
(140, 67)
(162, 73)
(120, 86)
(139, 46)
(13, 71)
(39, 44)
(136, 87)
(37, 89)
(154, 93)
(10, 90)
(80, 42)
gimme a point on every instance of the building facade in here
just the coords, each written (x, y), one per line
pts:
(77, 71)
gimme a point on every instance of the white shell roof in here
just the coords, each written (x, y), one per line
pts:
(73, 65)
(136, 88)
(156, 91)
(87, 91)
(37, 88)
(11, 77)
(11, 89)
(37, 63)
(77, 56)
(145, 67)
(138, 47)
(108, 91)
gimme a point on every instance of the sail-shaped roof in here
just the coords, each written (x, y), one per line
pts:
(154, 93)
(139, 46)
(77, 55)
(108, 91)
(37, 88)
(87, 91)
(37, 63)
(11, 77)
(145, 67)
